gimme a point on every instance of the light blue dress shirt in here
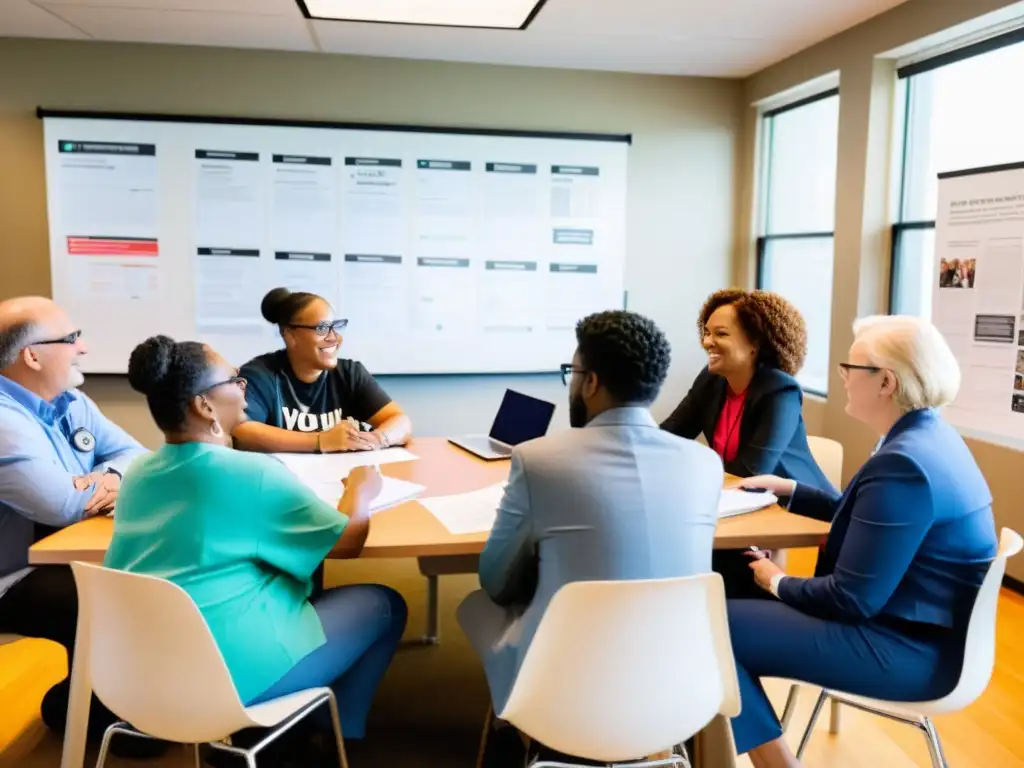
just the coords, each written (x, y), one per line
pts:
(38, 464)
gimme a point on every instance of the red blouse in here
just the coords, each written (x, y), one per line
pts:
(726, 439)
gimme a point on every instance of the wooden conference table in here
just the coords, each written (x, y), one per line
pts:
(407, 530)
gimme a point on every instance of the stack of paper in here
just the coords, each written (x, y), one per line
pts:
(472, 512)
(394, 492)
(323, 473)
(735, 501)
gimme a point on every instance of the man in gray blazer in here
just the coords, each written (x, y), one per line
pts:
(616, 498)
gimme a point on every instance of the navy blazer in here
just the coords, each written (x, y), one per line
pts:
(912, 537)
(772, 439)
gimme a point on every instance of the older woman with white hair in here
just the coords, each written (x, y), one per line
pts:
(886, 612)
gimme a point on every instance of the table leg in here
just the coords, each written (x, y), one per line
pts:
(432, 636)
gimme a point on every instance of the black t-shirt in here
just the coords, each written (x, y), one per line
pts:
(277, 398)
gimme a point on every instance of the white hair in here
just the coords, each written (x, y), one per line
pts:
(927, 373)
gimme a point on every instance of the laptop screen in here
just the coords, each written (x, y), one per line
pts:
(521, 418)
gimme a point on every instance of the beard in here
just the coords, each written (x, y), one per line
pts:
(75, 378)
(577, 412)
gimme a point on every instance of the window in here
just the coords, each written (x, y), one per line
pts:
(957, 112)
(794, 251)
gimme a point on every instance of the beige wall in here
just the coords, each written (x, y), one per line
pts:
(863, 221)
(682, 168)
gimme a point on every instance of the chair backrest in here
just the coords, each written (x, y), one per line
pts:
(980, 649)
(621, 669)
(151, 658)
(828, 454)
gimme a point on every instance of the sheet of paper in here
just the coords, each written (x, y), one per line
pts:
(472, 512)
(394, 492)
(737, 502)
(330, 467)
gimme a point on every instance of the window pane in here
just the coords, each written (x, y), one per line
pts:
(914, 273)
(963, 115)
(801, 189)
(801, 270)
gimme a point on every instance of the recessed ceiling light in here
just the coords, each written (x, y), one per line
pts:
(490, 14)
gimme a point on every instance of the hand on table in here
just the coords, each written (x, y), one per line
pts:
(777, 485)
(345, 437)
(763, 568)
(104, 495)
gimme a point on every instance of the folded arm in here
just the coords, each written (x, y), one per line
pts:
(892, 513)
(508, 564)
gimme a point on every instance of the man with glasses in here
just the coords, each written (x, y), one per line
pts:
(615, 498)
(60, 462)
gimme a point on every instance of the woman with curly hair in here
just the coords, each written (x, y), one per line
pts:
(746, 402)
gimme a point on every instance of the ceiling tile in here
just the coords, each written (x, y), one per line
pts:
(712, 57)
(228, 30)
(20, 18)
(269, 7)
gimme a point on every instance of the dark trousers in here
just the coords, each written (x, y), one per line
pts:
(880, 658)
(44, 604)
(734, 568)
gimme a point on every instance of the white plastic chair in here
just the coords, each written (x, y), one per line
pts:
(827, 454)
(622, 669)
(979, 660)
(152, 661)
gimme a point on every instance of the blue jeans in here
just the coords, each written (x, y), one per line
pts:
(363, 624)
(772, 639)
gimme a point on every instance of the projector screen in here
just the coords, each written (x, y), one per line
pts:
(448, 250)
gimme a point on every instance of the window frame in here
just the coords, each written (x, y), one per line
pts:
(907, 73)
(764, 238)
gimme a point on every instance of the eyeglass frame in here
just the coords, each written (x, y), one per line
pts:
(71, 338)
(334, 325)
(845, 368)
(567, 370)
(238, 381)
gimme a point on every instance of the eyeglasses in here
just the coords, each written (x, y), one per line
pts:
(71, 338)
(845, 368)
(568, 371)
(238, 381)
(324, 328)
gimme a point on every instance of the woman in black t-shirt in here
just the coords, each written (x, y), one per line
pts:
(303, 398)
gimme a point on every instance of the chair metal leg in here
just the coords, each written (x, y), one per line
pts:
(790, 708)
(116, 728)
(934, 745)
(835, 717)
(198, 757)
(810, 725)
(432, 636)
(250, 760)
(339, 738)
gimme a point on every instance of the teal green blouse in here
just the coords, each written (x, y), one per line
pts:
(242, 536)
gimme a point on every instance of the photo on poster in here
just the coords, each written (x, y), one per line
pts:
(1018, 404)
(1018, 373)
(1020, 332)
(994, 328)
(957, 273)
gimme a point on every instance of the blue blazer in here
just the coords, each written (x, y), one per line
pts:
(772, 439)
(912, 537)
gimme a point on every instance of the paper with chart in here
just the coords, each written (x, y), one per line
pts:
(463, 513)
(739, 502)
(978, 296)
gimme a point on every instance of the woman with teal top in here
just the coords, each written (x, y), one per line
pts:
(243, 536)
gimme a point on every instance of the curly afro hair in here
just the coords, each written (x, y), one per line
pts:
(627, 352)
(771, 323)
(168, 373)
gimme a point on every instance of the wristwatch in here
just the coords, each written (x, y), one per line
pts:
(112, 471)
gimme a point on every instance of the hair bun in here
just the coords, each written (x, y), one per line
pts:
(149, 364)
(274, 306)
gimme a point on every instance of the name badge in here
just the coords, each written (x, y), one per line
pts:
(83, 440)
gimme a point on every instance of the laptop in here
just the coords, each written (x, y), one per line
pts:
(520, 418)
